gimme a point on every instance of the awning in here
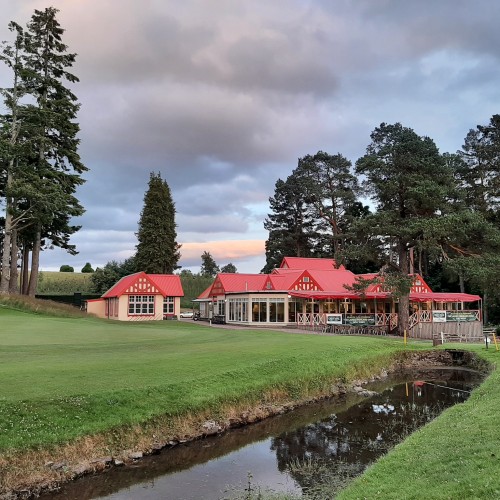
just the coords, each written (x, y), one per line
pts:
(414, 297)
(444, 297)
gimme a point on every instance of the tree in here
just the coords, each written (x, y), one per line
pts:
(66, 269)
(410, 183)
(208, 265)
(11, 56)
(157, 250)
(48, 169)
(290, 223)
(103, 279)
(87, 268)
(228, 268)
(331, 190)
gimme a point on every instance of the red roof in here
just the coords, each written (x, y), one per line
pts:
(165, 284)
(323, 281)
(308, 263)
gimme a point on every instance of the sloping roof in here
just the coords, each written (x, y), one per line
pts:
(308, 263)
(167, 284)
(205, 295)
(236, 282)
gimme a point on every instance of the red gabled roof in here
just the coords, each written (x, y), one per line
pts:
(205, 294)
(166, 284)
(236, 282)
(308, 263)
(169, 284)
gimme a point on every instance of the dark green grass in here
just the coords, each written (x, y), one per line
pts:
(63, 378)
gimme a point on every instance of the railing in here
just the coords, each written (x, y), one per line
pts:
(426, 317)
(310, 319)
(390, 319)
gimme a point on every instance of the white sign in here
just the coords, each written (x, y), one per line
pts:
(439, 316)
(334, 319)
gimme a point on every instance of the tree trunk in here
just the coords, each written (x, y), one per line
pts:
(404, 299)
(6, 256)
(25, 267)
(462, 283)
(13, 283)
(35, 262)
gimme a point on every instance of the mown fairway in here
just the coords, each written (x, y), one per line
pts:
(62, 378)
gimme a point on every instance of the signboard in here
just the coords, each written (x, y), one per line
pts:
(334, 319)
(439, 316)
(360, 319)
(461, 316)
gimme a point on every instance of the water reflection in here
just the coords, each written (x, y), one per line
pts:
(354, 431)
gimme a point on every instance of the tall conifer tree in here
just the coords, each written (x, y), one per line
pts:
(157, 250)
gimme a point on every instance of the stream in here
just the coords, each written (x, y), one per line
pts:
(344, 436)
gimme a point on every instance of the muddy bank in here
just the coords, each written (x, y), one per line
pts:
(26, 474)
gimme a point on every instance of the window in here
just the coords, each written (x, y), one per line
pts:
(277, 310)
(168, 305)
(141, 304)
(293, 309)
(238, 310)
(305, 279)
(259, 310)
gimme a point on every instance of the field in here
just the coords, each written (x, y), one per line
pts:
(54, 282)
(67, 378)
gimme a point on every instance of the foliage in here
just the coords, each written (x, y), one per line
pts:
(410, 183)
(290, 224)
(87, 268)
(40, 190)
(193, 285)
(228, 268)
(331, 192)
(66, 269)
(103, 279)
(208, 265)
(157, 250)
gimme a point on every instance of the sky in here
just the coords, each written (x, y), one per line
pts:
(222, 97)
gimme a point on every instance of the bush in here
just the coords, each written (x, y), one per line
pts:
(87, 268)
(66, 269)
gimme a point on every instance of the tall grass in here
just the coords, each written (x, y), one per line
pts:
(38, 306)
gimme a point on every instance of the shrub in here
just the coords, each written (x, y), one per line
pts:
(87, 268)
(66, 269)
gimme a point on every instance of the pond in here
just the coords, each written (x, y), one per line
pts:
(287, 452)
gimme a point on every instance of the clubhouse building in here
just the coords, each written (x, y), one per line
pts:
(315, 294)
(140, 297)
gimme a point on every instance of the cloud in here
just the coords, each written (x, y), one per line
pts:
(223, 98)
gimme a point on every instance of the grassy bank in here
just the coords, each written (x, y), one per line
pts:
(63, 377)
(455, 456)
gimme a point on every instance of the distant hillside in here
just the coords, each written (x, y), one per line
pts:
(54, 282)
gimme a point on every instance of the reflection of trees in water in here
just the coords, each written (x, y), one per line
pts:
(344, 444)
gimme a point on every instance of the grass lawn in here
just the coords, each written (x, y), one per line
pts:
(66, 377)
(63, 378)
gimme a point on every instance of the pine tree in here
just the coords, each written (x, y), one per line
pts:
(157, 250)
(331, 190)
(290, 223)
(47, 168)
(410, 183)
(208, 265)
